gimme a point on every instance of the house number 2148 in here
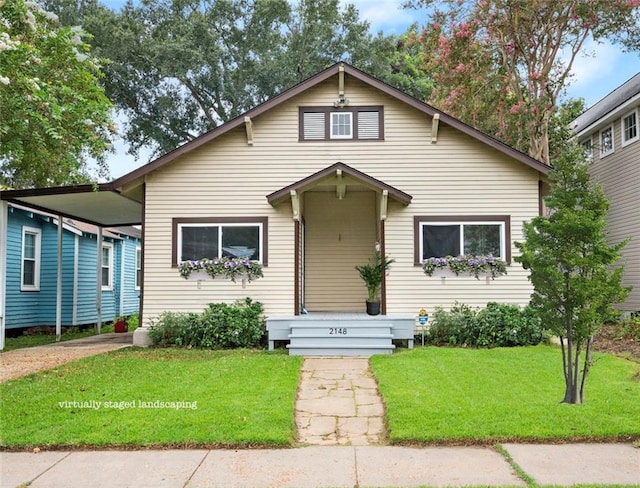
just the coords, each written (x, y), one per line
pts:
(337, 331)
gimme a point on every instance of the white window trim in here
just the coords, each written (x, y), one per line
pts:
(637, 136)
(331, 124)
(613, 142)
(38, 259)
(138, 267)
(109, 246)
(219, 225)
(462, 224)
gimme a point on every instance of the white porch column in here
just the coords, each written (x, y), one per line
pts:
(99, 283)
(59, 283)
(4, 217)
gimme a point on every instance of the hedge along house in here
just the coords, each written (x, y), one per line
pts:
(310, 181)
(31, 271)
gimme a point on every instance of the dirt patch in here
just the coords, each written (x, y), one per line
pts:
(609, 339)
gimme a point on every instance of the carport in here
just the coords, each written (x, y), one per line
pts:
(102, 205)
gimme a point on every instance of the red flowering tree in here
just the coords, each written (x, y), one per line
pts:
(501, 65)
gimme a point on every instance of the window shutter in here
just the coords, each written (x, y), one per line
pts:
(368, 125)
(313, 126)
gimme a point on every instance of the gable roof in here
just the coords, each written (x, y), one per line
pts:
(311, 82)
(608, 106)
(305, 183)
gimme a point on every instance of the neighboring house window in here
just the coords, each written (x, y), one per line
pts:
(138, 267)
(107, 266)
(587, 147)
(220, 237)
(630, 128)
(606, 141)
(350, 123)
(466, 235)
(30, 269)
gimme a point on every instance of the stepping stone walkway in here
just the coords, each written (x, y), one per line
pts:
(338, 403)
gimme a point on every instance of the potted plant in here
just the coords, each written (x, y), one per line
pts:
(120, 325)
(372, 274)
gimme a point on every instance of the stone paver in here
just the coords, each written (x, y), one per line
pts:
(338, 403)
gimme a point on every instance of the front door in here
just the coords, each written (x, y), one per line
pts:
(339, 234)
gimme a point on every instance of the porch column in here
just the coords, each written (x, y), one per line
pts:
(59, 283)
(99, 283)
(4, 217)
(384, 198)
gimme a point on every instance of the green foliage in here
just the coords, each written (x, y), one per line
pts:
(220, 326)
(441, 395)
(629, 328)
(54, 114)
(473, 265)
(570, 265)
(178, 69)
(501, 65)
(373, 272)
(239, 398)
(497, 325)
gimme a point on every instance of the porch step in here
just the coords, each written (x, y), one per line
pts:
(364, 351)
(338, 334)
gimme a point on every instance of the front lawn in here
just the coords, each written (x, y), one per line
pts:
(455, 395)
(154, 397)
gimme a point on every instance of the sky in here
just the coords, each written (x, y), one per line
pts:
(605, 68)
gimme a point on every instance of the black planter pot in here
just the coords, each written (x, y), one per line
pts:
(373, 308)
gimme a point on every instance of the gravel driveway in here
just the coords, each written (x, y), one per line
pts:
(21, 362)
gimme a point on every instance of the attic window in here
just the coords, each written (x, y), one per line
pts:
(344, 124)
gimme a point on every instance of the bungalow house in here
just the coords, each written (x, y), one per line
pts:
(610, 133)
(31, 270)
(308, 183)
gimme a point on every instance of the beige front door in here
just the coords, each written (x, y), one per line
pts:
(339, 234)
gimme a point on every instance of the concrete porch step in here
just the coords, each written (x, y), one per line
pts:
(352, 350)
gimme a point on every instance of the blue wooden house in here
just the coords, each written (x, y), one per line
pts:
(31, 271)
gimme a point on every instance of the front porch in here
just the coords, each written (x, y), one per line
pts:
(340, 334)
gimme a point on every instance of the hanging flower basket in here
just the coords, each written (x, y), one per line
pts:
(475, 266)
(229, 268)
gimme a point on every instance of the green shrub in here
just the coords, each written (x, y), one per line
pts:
(220, 326)
(629, 328)
(497, 325)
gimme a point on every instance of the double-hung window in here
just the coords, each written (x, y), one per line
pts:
(106, 261)
(212, 238)
(606, 141)
(30, 269)
(630, 128)
(467, 235)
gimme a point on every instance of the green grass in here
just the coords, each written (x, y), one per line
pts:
(453, 395)
(23, 341)
(241, 398)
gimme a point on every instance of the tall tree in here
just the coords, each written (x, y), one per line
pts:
(570, 266)
(54, 114)
(181, 67)
(501, 65)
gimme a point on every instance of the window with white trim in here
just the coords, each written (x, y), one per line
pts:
(587, 147)
(30, 265)
(341, 125)
(606, 141)
(216, 240)
(630, 128)
(348, 123)
(106, 262)
(466, 235)
(138, 267)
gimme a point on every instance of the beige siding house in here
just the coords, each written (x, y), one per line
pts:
(320, 174)
(610, 133)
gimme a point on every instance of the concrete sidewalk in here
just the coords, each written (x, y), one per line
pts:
(326, 466)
